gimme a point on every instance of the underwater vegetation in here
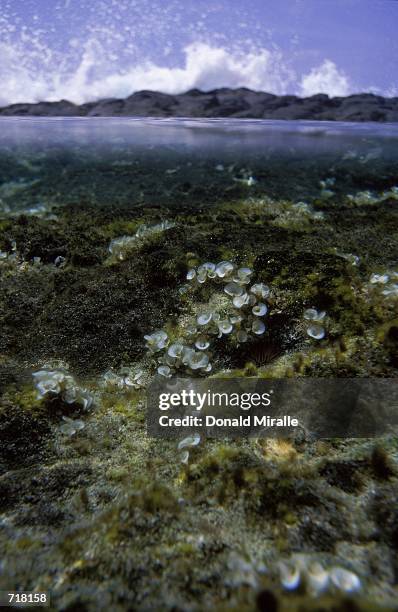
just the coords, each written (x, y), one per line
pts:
(58, 383)
(363, 198)
(315, 329)
(236, 312)
(96, 300)
(123, 247)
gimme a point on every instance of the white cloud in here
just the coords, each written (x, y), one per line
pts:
(326, 78)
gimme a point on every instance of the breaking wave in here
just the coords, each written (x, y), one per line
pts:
(205, 67)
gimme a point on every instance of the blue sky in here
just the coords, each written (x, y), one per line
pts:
(86, 49)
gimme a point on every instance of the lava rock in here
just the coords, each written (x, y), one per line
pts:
(222, 102)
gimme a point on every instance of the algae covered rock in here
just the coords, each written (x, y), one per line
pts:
(222, 280)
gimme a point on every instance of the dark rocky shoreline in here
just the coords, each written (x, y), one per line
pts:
(239, 103)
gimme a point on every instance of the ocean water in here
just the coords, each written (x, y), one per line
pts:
(111, 236)
(132, 155)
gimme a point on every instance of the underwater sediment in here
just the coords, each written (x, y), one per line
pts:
(105, 268)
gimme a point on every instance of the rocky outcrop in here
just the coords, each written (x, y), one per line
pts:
(240, 103)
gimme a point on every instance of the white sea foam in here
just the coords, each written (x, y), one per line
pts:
(326, 78)
(205, 67)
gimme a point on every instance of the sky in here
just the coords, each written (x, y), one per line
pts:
(83, 50)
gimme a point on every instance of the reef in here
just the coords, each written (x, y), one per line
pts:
(97, 298)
